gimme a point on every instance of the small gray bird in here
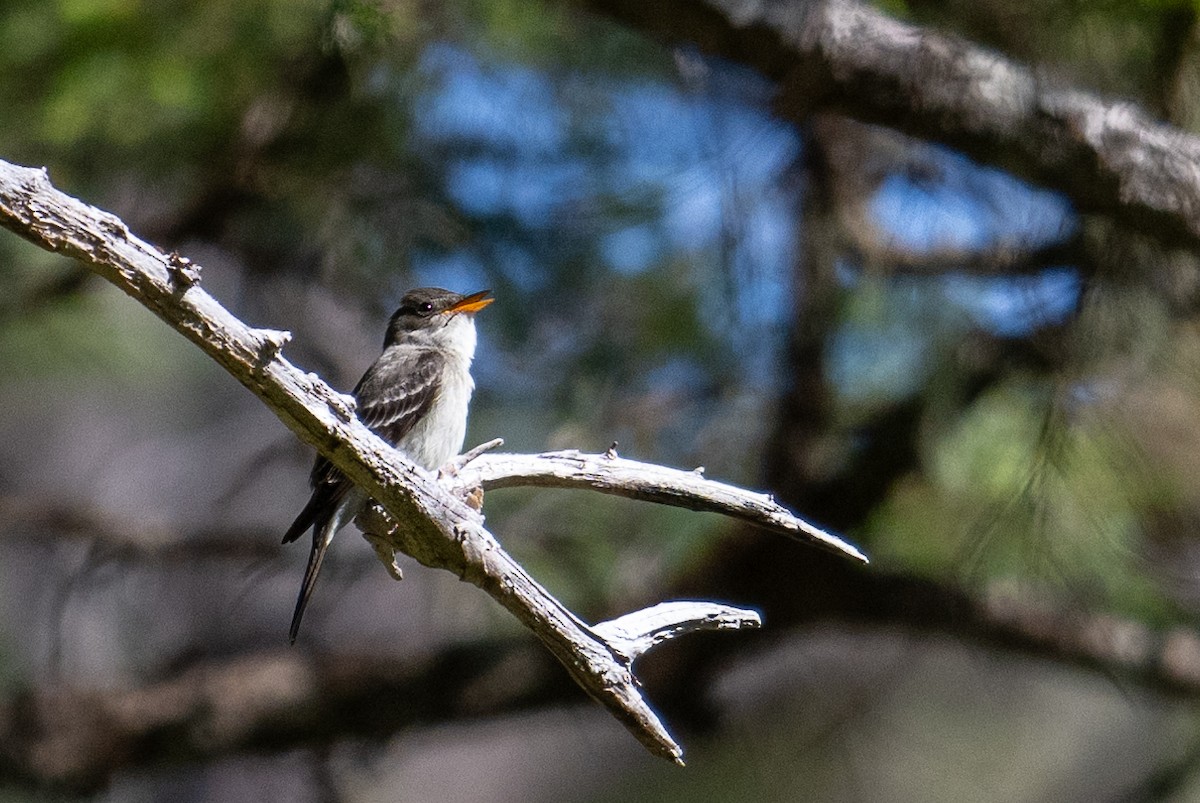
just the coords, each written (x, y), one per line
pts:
(415, 397)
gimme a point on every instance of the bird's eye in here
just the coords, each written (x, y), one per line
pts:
(426, 307)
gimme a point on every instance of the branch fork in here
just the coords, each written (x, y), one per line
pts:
(418, 513)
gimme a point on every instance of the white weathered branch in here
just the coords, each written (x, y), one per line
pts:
(635, 633)
(438, 529)
(610, 474)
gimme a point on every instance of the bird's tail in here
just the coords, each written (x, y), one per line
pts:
(306, 519)
(322, 536)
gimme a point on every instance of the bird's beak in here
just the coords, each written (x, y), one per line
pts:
(471, 303)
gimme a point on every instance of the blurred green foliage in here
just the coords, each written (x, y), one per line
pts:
(1009, 496)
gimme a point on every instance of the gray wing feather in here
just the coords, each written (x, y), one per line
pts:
(396, 392)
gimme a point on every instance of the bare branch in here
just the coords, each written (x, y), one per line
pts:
(600, 668)
(635, 633)
(645, 481)
(466, 457)
(438, 529)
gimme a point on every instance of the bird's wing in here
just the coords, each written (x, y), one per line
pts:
(392, 396)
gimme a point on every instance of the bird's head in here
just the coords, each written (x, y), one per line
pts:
(429, 310)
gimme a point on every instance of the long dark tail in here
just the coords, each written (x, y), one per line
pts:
(322, 537)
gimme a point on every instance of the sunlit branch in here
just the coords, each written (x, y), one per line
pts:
(426, 519)
(610, 474)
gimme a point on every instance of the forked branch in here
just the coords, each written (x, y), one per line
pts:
(438, 528)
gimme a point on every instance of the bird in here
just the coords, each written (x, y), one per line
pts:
(415, 396)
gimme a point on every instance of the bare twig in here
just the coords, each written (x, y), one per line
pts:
(645, 481)
(466, 457)
(635, 633)
(437, 528)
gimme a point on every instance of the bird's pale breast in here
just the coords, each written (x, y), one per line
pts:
(439, 435)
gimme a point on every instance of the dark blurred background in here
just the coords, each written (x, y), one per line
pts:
(995, 396)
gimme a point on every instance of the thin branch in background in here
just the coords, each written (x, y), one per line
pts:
(126, 539)
(1109, 157)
